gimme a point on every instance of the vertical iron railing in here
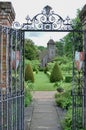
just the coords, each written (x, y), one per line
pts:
(77, 90)
(84, 88)
(11, 79)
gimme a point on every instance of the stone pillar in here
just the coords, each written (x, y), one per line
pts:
(7, 16)
(83, 20)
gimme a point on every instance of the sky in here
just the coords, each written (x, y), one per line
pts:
(32, 7)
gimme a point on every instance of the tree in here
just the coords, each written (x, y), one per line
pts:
(29, 73)
(60, 48)
(68, 43)
(41, 48)
(56, 74)
(31, 51)
(73, 38)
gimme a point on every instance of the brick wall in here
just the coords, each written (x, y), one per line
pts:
(7, 16)
(83, 17)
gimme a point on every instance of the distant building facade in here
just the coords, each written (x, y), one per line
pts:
(48, 55)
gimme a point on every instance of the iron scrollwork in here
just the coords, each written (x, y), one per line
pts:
(46, 20)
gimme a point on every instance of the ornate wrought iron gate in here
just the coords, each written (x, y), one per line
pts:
(12, 86)
(11, 79)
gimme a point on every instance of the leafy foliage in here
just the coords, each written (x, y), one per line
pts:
(67, 123)
(41, 48)
(64, 46)
(64, 100)
(68, 79)
(31, 51)
(60, 48)
(29, 73)
(28, 97)
(56, 74)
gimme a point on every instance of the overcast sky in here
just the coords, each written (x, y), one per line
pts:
(32, 7)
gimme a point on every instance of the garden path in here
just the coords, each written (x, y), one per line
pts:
(45, 115)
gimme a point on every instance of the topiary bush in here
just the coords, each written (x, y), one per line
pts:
(29, 73)
(56, 74)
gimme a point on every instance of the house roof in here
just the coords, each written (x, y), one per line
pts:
(51, 41)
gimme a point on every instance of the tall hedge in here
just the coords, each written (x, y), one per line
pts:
(29, 73)
(56, 74)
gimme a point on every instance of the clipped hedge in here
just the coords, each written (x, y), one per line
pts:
(56, 74)
(29, 73)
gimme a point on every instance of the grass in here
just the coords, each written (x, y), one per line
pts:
(42, 82)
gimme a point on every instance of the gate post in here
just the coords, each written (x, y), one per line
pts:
(83, 20)
(7, 13)
(7, 16)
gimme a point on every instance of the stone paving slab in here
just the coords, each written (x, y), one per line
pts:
(44, 115)
(43, 95)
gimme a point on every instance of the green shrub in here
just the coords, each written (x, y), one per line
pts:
(64, 100)
(56, 95)
(67, 123)
(29, 73)
(35, 70)
(29, 85)
(45, 69)
(48, 74)
(68, 79)
(41, 68)
(60, 89)
(56, 74)
(58, 86)
(28, 97)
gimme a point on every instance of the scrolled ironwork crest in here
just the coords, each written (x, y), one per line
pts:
(46, 20)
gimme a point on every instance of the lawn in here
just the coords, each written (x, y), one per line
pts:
(42, 82)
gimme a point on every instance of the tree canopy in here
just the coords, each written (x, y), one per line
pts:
(31, 51)
(64, 46)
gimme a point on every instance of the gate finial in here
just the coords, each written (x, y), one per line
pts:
(47, 9)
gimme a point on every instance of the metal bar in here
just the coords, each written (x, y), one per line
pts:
(10, 103)
(29, 30)
(73, 92)
(7, 70)
(84, 106)
(22, 92)
(16, 41)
